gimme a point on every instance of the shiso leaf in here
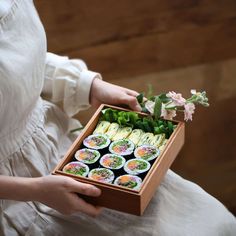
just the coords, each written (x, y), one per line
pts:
(140, 98)
(157, 130)
(157, 108)
(164, 98)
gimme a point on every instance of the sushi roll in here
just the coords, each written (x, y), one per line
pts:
(146, 152)
(129, 181)
(158, 140)
(146, 138)
(112, 130)
(102, 175)
(102, 127)
(112, 161)
(96, 141)
(122, 132)
(136, 166)
(121, 147)
(87, 156)
(135, 136)
(76, 168)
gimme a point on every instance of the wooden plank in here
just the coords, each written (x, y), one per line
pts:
(158, 52)
(144, 37)
(77, 24)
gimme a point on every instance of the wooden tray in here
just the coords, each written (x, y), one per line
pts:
(116, 197)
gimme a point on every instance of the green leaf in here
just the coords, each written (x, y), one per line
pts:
(140, 125)
(123, 118)
(152, 98)
(147, 127)
(157, 130)
(109, 115)
(150, 122)
(162, 128)
(140, 98)
(164, 98)
(133, 117)
(149, 91)
(145, 110)
(170, 125)
(157, 108)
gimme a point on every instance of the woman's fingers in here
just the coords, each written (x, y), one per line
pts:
(132, 92)
(87, 208)
(85, 189)
(89, 190)
(131, 102)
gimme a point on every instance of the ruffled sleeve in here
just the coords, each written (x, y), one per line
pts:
(68, 81)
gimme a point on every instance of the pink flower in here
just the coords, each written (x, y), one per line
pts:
(177, 98)
(189, 110)
(193, 91)
(167, 114)
(149, 105)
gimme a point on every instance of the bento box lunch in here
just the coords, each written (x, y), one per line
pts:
(119, 153)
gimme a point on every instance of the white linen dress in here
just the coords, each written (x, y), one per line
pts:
(34, 136)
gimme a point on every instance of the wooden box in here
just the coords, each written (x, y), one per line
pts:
(119, 198)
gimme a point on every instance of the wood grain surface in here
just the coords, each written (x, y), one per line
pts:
(126, 38)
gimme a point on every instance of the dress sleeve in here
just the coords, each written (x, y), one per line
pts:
(68, 81)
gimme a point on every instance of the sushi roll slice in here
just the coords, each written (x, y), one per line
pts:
(102, 175)
(112, 130)
(146, 152)
(87, 156)
(136, 166)
(121, 147)
(129, 181)
(122, 132)
(96, 141)
(146, 138)
(112, 161)
(76, 168)
(157, 140)
(135, 136)
(102, 127)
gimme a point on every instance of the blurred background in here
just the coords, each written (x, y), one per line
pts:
(173, 45)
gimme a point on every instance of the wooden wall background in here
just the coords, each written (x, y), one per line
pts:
(174, 45)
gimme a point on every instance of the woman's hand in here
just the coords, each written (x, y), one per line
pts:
(103, 92)
(61, 194)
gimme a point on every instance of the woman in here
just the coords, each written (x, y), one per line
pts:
(34, 134)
